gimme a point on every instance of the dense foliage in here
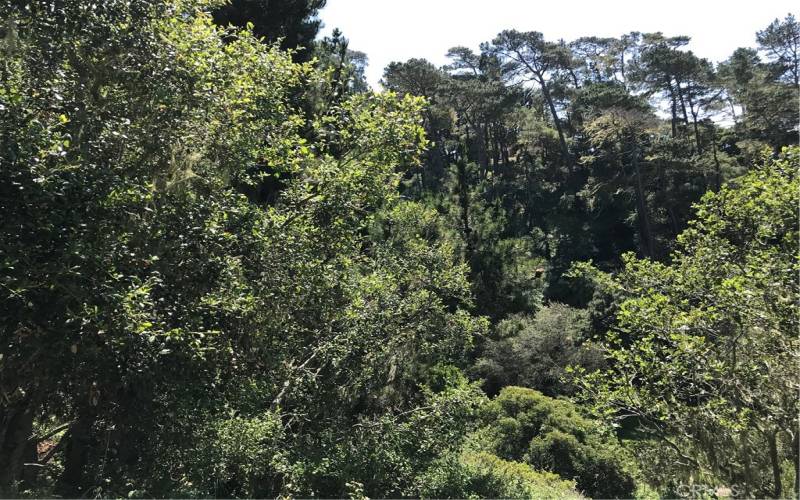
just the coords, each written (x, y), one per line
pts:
(292, 23)
(702, 353)
(228, 269)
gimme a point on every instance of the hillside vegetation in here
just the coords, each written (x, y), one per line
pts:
(546, 270)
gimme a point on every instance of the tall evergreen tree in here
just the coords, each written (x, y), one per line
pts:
(293, 22)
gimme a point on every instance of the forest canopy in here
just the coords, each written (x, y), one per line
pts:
(228, 268)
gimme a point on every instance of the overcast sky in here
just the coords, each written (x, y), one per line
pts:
(397, 30)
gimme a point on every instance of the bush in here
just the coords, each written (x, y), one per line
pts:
(238, 457)
(549, 434)
(535, 351)
(484, 475)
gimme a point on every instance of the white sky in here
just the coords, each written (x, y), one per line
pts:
(397, 30)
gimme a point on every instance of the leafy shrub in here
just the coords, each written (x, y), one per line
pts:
(549, 434)
(535, 351)
(239, 457)
(483, 475)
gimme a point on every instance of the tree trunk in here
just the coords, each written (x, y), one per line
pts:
(561, 139)
(694, 124)
(496, 151)
(673, 221)
(717, 169)
(674, 102)
(683, 103)
(466, 148)
(483, 151)
(646, 235)
(796, 460)
(772, 439)
(748, 468)
(72, 483)
(463, 200)
(15, 445)
(574, 78)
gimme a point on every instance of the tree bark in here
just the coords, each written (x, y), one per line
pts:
(674, 102)
(72, 483)
(772, 439)
(484, 149)
(463, 199)
(796, 460)
(717, 169)
(748, 468)
(694, 124)
(648, 246)
(15, 445)
(556, 121)
(683, 103)
(574, 78)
